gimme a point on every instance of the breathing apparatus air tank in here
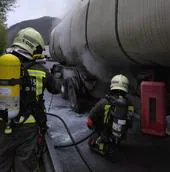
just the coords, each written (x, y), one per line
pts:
(9, 88)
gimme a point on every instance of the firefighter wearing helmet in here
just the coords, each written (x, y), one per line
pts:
(23, 79)
(30, 43)
(111, 117)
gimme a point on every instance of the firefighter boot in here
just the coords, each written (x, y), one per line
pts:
(108, 150)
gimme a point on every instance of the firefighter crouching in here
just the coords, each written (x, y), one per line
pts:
(23, 79)
(111, 117)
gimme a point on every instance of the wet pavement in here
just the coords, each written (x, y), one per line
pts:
(139, 153)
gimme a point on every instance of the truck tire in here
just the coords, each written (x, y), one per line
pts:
(73, 97)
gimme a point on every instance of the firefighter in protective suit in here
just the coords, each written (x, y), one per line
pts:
(111, 117)
(18, 150)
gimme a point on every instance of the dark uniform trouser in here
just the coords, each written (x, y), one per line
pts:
(18, 150)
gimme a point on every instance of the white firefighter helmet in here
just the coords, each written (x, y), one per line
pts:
(119, 82)
(31, 41)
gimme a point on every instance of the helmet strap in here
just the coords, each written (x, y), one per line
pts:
(38, 50)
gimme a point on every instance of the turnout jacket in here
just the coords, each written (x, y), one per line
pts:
(99, 112)
(35, 79)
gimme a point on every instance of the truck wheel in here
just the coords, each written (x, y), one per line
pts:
(72, 95)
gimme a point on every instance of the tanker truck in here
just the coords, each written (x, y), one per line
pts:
(104, 38)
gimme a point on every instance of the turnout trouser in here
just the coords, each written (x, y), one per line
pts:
(18, 149)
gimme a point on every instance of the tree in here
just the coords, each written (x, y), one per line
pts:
(2, 37)
(5, 6)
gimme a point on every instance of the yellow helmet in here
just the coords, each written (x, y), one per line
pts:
(30, 40)
(119, 82)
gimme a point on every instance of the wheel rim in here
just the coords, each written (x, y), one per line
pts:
(73, 98)
(62, 89)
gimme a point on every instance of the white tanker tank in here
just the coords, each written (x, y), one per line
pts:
(108, 37)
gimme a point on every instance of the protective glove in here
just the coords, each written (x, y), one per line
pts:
(90, 124)
(56, 68)
(53, 69)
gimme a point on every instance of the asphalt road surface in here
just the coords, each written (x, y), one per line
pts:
(139, 153)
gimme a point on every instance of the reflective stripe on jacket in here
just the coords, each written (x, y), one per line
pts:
(106, 110)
